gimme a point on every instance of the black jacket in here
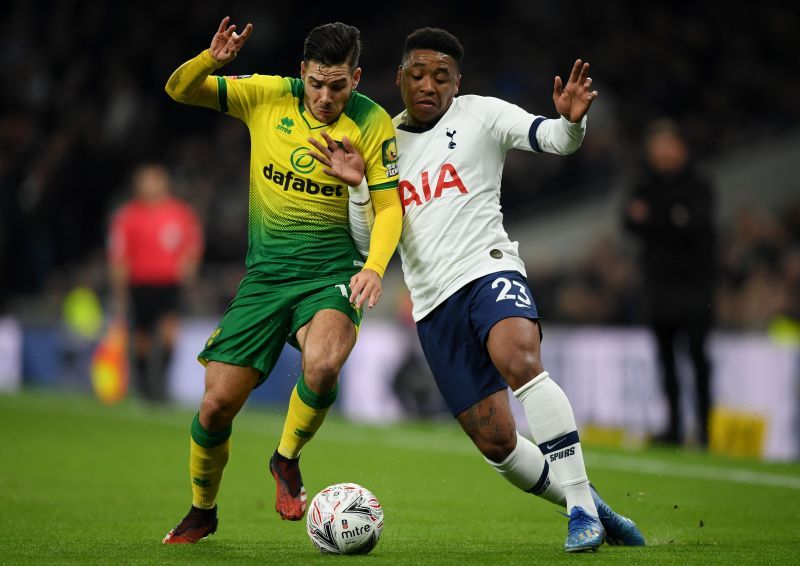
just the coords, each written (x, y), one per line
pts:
(678, 242)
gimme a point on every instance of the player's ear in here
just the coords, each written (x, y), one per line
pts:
(356, 77)
(302, 69)
(399, 75)
(458, 83)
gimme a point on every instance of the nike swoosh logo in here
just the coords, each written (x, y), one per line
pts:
(551, 446)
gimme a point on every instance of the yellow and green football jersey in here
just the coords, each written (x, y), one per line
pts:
(298, 219)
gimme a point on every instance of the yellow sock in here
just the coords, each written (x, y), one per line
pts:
(306, 412)
(208, 454)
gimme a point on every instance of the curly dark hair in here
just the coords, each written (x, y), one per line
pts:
(435, 39)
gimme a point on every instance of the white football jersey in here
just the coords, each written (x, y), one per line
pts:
(450, 190)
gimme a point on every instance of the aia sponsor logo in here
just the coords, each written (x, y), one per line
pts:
(446, 178)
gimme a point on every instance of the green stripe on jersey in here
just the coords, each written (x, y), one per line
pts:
(359, 109)
(297, 87)
(222, 96)
(383, 186)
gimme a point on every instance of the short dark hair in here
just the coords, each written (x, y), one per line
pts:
(435, 39)
(333, 44)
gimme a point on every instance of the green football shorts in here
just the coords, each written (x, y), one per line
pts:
(265, 314)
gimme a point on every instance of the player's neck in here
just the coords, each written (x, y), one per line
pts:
(411, 122)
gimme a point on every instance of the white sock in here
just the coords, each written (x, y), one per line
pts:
(527, 469)
(553, 427)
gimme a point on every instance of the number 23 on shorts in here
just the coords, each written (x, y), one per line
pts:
(519, 294)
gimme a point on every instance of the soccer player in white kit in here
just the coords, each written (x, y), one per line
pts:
(475, 314)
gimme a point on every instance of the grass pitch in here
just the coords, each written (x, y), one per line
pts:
(89, 484)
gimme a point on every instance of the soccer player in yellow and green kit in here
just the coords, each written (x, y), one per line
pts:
(305, 282)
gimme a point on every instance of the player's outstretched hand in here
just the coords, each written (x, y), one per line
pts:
(365, 286)
(340, 160)
(226, 43)
(573, 100)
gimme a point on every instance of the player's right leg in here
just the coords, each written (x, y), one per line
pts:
(477, 395)
(461, 353)
(513, 344)
(325, 341)
(490, 425)
(508, 326)
(238, 355)
(227, 388)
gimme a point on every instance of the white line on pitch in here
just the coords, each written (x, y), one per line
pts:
(630, 464)
(633, 464)
(447, 441)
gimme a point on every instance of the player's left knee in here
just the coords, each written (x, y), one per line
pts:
(522, 366)
(321, 374)
(217, 412)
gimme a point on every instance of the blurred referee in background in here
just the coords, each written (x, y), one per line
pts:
(155, 246)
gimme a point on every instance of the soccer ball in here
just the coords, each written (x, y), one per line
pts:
(344, 518)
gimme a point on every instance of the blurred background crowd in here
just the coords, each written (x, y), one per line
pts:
(84, 104)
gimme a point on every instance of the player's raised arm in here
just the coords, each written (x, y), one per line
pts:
(226, 43)
(573, 100)
(191, 83)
